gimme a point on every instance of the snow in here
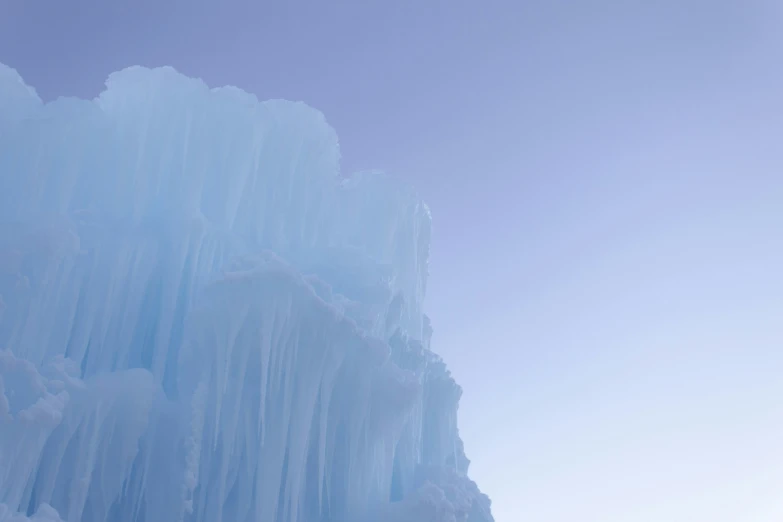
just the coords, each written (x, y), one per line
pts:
(200, 320)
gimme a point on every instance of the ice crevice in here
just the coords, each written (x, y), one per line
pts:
(202, 320)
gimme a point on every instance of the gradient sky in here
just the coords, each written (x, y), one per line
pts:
(606, 180)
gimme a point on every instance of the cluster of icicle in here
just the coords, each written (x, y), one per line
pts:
(201, 321)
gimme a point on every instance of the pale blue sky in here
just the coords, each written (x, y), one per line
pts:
(606, 180)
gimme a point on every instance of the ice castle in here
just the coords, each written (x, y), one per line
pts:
(201, 321)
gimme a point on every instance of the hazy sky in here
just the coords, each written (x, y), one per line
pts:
(606, 180)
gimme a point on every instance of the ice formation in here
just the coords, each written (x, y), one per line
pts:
(202, 321)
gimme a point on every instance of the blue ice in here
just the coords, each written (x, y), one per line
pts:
(202, 321)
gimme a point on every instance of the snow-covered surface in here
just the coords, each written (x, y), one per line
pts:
(200, 320)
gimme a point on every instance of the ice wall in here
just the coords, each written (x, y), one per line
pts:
(200, 320)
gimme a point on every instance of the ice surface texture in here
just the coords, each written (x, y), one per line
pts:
(202, 321)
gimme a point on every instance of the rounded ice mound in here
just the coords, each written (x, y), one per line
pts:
(17, 99)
